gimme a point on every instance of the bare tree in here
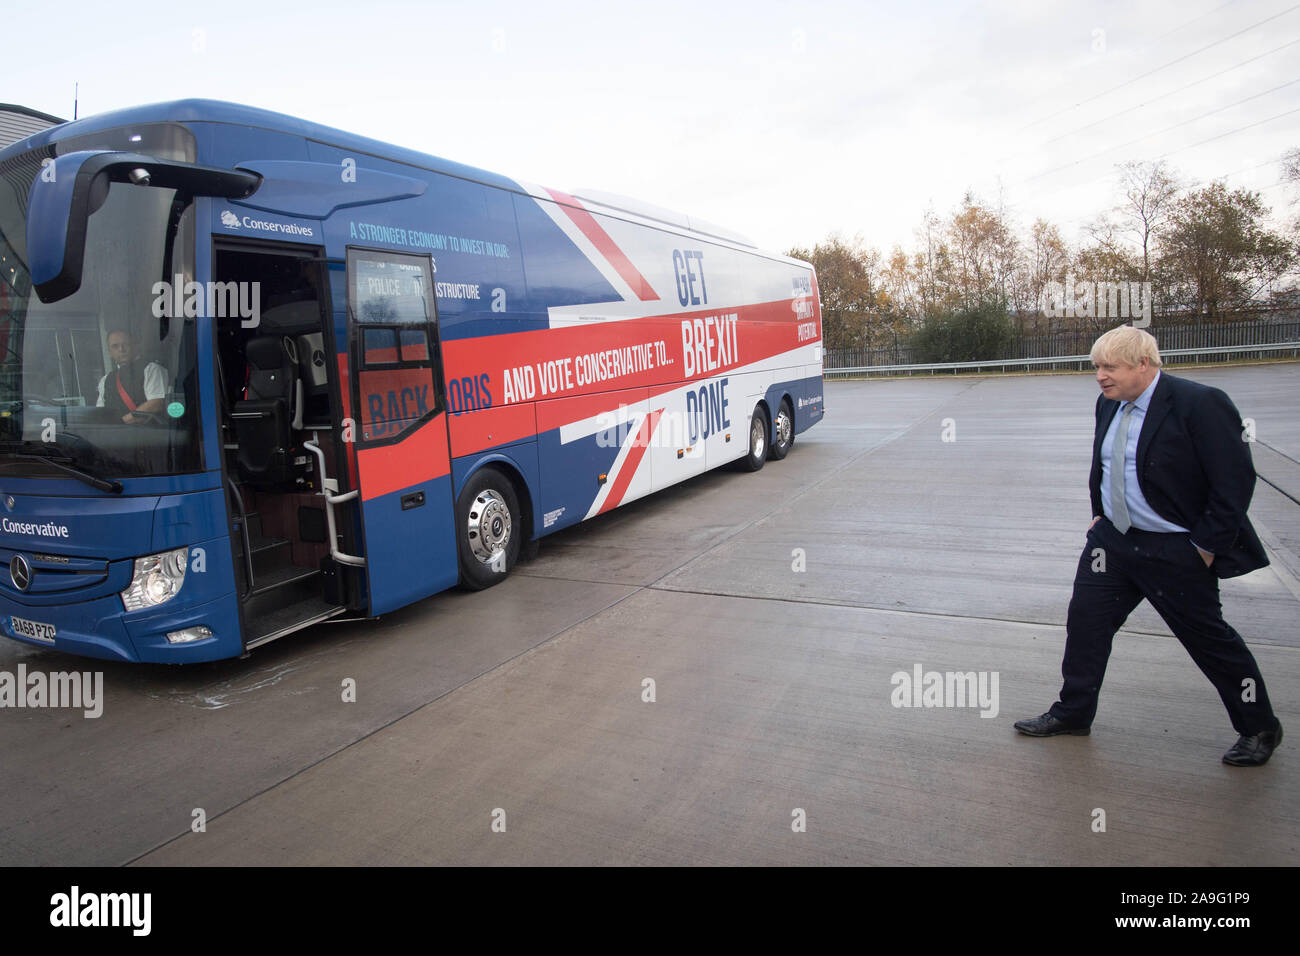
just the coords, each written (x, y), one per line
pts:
(1291, 174)
(1291, 166)
(1149, 192)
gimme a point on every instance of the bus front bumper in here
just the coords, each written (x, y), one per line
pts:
(101, 629)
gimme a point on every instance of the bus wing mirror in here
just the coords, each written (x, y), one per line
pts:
(67, 192)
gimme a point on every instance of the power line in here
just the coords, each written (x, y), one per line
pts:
(1248, 169)
(1112, 173)
(1236, 172)
(1164, 66)
(1171, 92)
(1229, 133)
(1193, 20)
(1276, 160)
(1111, 149)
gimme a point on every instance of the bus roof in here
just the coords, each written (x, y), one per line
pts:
(218, 111)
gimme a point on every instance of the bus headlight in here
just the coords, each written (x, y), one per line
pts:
(156, 580)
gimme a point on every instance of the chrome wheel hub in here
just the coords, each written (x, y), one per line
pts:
(756, 437)
(783, 429)
(488, 527)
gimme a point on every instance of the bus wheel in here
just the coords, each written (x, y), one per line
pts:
(757, 454)
(784, 429)
(488, 529)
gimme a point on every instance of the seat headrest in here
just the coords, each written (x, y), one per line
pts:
(266, 352)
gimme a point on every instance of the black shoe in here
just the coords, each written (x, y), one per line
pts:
(1254, 751)
(1049, 726)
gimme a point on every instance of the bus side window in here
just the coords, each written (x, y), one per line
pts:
(415, 345)
(391, 308)
(378, 347)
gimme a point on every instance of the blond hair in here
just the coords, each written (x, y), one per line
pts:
(1125, 346)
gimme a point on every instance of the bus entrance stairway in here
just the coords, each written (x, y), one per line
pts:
(281, 596)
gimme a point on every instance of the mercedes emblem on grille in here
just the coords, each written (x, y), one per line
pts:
(21, 572)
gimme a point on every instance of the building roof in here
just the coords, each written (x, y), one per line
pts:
(19, 122)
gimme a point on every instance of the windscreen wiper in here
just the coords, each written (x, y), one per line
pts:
(63, 464)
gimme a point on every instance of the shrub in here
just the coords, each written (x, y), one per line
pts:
(968, 335)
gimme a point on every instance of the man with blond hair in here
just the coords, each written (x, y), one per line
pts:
(1171, 480)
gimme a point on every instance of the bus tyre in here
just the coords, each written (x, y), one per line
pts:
(757, 453)
(488, 529)
(783, 429)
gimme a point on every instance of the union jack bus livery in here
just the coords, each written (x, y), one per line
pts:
(259, 374)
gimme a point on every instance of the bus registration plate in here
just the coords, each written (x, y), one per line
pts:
(33, 629)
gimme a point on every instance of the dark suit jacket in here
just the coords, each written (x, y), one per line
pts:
(1194, 469)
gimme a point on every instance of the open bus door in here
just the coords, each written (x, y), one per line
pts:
(403, 457)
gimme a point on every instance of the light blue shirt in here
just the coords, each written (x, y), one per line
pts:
(1141, 515)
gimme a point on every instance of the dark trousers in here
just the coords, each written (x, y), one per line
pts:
(1167, 570)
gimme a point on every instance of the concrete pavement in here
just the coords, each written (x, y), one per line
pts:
(771, 612)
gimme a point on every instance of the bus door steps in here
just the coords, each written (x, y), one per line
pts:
(283, 619)
(254, 521)
(284, 584)
(268, 554)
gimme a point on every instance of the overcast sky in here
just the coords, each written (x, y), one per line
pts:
(784, 121)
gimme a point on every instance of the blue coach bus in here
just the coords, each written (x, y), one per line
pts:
(256, 373)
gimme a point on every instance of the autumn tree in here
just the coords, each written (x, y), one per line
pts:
(983, 249)
(854, 306)
(973, 273)
(932, 266)
(901, 277)
(1048, 259)
(1220, 251)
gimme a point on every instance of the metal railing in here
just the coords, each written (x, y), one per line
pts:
(1271, 328)
(328, 488)
(1056, 363)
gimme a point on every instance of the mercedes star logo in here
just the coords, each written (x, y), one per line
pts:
(21, 572)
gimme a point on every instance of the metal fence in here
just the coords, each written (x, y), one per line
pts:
(1065, 344)
(1058, 363)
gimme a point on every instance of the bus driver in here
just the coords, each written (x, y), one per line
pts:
(131, 388)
